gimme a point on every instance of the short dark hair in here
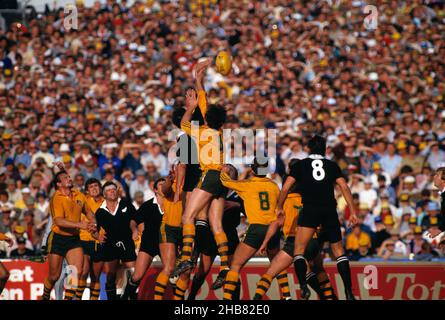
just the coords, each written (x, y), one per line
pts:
(155, 185)
(216, 116)
(91, 181)
(234, 170)
(441, 172)
(177, 115)
(317, 145)
(57, 177)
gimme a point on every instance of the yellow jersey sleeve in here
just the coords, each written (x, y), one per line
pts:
(202, 102)
(235, 185)
(2, 236)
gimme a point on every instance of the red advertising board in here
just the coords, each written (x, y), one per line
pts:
(384, 280)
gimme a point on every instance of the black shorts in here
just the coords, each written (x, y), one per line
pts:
(150, 244)
(255, 235)
(326, 217)
(312, 249)
(170, 234)
(205, 241)
(90, 248)
(211, 183)
(118, 250)
(60, 245)
(192, 176)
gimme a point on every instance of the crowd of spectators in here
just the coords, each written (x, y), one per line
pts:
(100, 99)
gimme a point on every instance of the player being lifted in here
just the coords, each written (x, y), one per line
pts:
(317, 178)
(259, 194)
(205, 245)
(283, 259)
(210, 191)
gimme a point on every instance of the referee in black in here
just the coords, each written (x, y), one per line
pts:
(118, 218)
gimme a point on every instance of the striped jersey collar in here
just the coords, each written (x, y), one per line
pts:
(315, 156)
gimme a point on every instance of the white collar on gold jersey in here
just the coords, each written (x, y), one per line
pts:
(315, 156)
(104, 206)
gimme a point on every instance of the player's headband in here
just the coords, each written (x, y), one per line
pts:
(109, 187)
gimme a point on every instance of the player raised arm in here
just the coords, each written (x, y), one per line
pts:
(200, 71)
(191, 101)
(341, 182)
(290, 181)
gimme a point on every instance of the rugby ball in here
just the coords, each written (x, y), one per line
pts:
(223, 63)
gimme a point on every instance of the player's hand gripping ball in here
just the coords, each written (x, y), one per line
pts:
(223, 63)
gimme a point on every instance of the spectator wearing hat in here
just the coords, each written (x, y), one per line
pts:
(67, 161)
(412, 223)
(364, 251)
(433, 228)
(415, 244)
(368, 195)
(432, 211)
(64, 150)
(353, 239)
(391, 161)
(404, 206)
(366, 218)
(403, 224)
(21, 203)
(408, 186)
(21, 251)
(18, 232)
(379, 173)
